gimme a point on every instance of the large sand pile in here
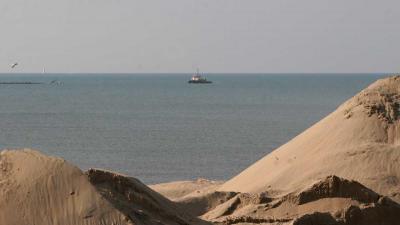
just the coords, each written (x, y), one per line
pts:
(39, 190)
(359, 141)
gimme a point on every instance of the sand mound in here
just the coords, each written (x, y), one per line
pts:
(332, 200)
(335, 187)
(137, 201)
(200, 204)
(359, 141)
(37, 189)
(180, 189)
(196, 197)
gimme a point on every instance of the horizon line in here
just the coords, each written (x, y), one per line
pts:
(185, 73)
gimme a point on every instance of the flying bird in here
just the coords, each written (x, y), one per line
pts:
(14, 65)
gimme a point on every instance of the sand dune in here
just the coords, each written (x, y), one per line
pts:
(359, 141)
(37, 189)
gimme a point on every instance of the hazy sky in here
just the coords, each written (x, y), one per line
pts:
(214, 35)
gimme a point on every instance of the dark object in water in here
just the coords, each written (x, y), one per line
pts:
(203, 81)
(198, 79)
(56, 82)
(27, 82)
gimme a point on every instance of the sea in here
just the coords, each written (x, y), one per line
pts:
(159, 128)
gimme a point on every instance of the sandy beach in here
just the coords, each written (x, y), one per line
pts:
(344, 170)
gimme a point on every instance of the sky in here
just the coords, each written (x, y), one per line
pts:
(217, 36)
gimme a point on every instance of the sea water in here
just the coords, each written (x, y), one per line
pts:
(159, 128)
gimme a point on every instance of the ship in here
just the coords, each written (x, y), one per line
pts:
(198, 79)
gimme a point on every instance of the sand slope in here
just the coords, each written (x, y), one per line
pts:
(359, 141)
(39, 190)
